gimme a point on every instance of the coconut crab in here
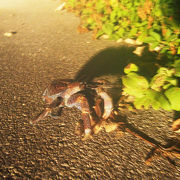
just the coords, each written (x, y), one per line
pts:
(89, 97)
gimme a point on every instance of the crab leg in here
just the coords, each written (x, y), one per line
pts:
(108, 105)
(42, 115)
(97, 107)
(47, 111)
(72, 89)
(80, 101)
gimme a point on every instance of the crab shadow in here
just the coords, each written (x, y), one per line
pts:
(112, 60)
(127, 127)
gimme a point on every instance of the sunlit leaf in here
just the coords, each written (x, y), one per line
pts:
(99, 33)
(177, 68)
(136, 85)
(133, 31)
(120, 32)
(173, 95)
(177, 71)
(154, 45)
(149, 40)
(155, 35)
(108, 28)
(178, 52)
(135, 92)
(131, 68)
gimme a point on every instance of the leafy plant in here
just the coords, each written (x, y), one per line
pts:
(161, 91)
(149, 21)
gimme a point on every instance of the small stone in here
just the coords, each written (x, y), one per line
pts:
(139, 42)
(105, 36)
(9, 34)
(130, 41)
(65, 165)
(139, 50)
(119, 40)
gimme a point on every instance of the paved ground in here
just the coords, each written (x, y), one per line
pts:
(46, 46)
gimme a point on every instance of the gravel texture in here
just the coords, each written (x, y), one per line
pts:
(46, 46)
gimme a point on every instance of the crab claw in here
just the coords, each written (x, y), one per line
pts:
(108, 105)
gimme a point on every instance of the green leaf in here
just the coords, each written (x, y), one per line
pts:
(166, 86)
(177, 63)
(108, 28)
(177, 71)
(141, 102)
(113, 15)
(154, 99)
(116, 28)
(149, 40)
(168, 33)
(100, 5)
(99, 33)
(135, 92)
(164, 102)
(163, 75)
(165, 71)
(133, 31)
(158, 12)
(173, 95)
(155, 35)
(178, 51)
(124, 24)
(131, 68)
(172, 81)
(157, 82)
(136, 85)
(149, 99)
(154, 45)
(125, 12)
(120, 32)
(90, 20)
(177, 68)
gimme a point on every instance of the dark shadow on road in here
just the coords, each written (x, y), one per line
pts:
(172, 144)
(126, 126)
(111, 61)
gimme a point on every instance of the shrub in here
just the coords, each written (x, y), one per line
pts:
(149, 21)
(161, 91)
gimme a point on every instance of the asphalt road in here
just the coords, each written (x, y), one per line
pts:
(46, 46)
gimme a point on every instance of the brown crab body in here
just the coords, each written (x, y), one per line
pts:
(68, 93)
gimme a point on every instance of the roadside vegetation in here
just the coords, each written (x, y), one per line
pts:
(151, 22)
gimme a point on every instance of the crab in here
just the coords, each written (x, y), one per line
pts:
(89, 97)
